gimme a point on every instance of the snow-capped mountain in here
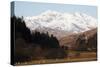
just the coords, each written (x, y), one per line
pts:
(67, 22)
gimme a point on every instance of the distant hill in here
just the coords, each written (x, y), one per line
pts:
(90, 38)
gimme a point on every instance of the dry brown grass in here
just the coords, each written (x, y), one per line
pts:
(84, 56)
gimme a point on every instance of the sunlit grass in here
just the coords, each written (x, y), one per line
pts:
(85, 56)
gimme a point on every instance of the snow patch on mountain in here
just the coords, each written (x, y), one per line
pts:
(69, 22)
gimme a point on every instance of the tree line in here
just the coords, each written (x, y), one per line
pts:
(26, 42)
(21, 31)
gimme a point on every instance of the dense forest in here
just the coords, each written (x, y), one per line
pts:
(33, 46)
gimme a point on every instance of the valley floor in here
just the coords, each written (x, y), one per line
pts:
(72, 57)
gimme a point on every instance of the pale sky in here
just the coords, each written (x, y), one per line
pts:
(33, 8)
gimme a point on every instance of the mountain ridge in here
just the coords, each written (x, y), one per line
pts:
(67, 22)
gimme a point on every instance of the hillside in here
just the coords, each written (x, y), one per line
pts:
(90, 39)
